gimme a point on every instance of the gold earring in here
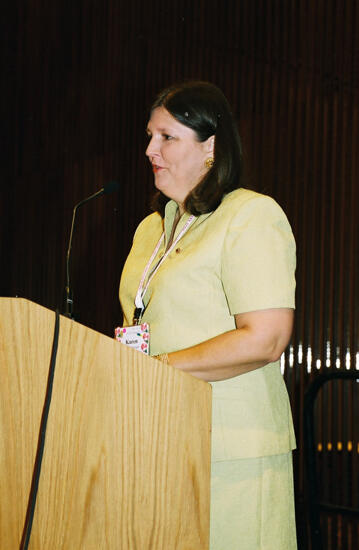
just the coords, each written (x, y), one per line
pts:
(209, 162)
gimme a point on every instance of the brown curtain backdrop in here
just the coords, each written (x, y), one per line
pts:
(78, 78)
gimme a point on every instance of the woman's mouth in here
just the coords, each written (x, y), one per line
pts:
(156, 168)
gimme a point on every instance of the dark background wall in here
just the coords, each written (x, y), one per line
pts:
(78, 78)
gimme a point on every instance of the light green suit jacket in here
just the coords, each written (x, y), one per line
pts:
(239, 258)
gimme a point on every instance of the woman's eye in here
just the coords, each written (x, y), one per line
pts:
(167, 137)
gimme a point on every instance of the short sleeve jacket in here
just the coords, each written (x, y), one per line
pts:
(238, 258)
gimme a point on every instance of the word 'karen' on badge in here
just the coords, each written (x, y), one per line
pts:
(137, 337)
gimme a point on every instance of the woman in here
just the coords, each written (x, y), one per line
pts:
(218, 293)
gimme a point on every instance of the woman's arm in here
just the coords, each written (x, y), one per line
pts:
(260, 337)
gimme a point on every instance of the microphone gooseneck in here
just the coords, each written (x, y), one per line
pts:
(108, 188)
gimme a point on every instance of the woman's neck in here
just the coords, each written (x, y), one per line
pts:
(173, 230)
(181, 209)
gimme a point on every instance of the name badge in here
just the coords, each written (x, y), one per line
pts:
(137, 337)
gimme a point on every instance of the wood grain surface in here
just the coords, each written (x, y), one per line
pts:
(26, 332)
(127, 456)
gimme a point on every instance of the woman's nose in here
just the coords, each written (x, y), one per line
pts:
(151, 150)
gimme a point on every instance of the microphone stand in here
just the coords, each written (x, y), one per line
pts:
(69, 298)
(69, 302)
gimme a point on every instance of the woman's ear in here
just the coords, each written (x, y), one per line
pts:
(210, 144)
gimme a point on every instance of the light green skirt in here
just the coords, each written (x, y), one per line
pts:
(252, 504)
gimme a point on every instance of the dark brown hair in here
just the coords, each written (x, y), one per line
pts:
(202, 107)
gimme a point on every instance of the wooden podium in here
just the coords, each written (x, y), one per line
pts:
(126, 462)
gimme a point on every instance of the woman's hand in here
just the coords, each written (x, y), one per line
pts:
(260, 337)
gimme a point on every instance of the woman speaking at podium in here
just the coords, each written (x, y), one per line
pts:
(212, 272)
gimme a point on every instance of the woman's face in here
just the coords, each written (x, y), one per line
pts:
(177, 157)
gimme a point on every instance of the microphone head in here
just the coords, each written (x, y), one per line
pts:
(110, 187)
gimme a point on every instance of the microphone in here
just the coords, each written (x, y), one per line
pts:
(110, 187)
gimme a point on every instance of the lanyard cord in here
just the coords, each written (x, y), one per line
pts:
(141, 291)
